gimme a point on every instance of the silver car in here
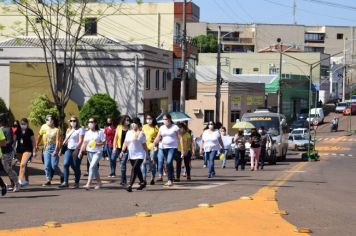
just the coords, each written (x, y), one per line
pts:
(299, 142)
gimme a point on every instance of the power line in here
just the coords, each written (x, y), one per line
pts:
(333, 4)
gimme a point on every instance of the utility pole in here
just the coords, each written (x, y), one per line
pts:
(294, 12)
(136, 86)
(184, 58)
(218, 79)
(279, 108)
(344, 75)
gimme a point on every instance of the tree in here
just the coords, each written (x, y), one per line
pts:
(206, 43)
(100, 106)
(6, 111)
(41, 107)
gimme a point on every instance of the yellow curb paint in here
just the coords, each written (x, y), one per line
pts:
(255, 219)
(52, 224)
(206, 205)
(246, 198)
(303, 230)
(143, 214)
(281, 212)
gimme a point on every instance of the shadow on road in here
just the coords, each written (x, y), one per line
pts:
(36, 196)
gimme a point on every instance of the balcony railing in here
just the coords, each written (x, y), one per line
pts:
(238, 40)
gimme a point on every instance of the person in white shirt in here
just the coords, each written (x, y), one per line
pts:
(135, 143)
(211, 143)
(170, 139)
(227, 141)
(94, 140)
(72, 143)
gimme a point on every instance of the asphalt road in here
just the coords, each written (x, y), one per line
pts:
(322, 196)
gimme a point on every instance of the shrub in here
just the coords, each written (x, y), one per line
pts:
(5, 110)
(40, 107)
(100, 106)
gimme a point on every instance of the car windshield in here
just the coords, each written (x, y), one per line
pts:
(271, 124)
(298, 137)
(314, 115)
(342, 104)
(297, 131)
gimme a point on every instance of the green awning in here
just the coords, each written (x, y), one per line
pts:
(273, 86)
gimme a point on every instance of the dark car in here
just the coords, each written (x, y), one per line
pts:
(299, 124)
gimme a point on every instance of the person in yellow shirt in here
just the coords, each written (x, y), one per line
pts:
(120, 134)
(189, 148)
(2, 144)
(150, 129)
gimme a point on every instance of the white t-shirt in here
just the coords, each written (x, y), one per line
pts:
(135, 145)
(73, 140)
(227, 141)
(94, 136)
(211, 140)
(169, 136)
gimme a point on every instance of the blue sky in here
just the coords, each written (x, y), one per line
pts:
(275, 11)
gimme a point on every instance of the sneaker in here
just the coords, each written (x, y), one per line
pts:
(48, 183)
(129, 189)
(24, 183)
(97, 187)
(209, 176)
(16, 188)
(168, 184)
(188, 178)
(62, 179)
(142, 186)
(177, 180)
(86, 187)
(223, 167)
(63, 185)
(4, 191)
(152, 182)
(204, 166)
(75, 186)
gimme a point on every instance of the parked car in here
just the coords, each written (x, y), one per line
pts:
(340, 107)
(298, 124)
(299, 142)
(316, 114)
(350, 109)
(300, 131)
(353, 98)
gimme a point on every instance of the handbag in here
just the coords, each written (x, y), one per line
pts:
(64, 147)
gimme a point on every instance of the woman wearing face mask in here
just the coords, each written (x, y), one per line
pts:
(110, 131)
(189, 148)
(255, 149)
(169, 134)
(150, 130)
(227, 140)
(240, 150)
(211, 143)
(135, 144)
(73, 140)
(26, 144)
(94, 140)
(119, 139)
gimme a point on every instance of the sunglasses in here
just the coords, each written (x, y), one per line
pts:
(23, 124)
(73, 121)
(91, 121)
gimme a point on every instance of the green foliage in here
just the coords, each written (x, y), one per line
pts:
(206, 43)
(41, 107)
(5, 110)
(100, 106)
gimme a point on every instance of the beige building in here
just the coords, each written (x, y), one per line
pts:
(110, 71)
(237, 97)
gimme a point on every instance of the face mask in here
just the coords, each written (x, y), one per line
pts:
(165, 122)
(23, 126)
(211, 126)
(73, 124)
(223, 133)
(260, 131)
(91, 125)
(127, 122)
(149, 121)
(134, 126)
(108, 124)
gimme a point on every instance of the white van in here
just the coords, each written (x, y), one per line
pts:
(316, 113)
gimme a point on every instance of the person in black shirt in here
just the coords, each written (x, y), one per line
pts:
(255, 149)
(8, 153)
(26, 147)
(263, 134)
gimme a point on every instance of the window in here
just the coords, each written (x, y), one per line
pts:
(164, 80)
(177, 33)
(90, 26)
(157, 79)
(314, 37)
(148, 79)
(255, 69)
(208, 115)
(273, 70)
(237, 71)
(314, 49)
(234, 116)
(339, 36)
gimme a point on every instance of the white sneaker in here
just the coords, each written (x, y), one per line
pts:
(16, 188)
(97, 187)
(168, 184)
(23, 183)
(86, 187)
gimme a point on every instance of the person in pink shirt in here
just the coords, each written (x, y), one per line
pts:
(109, 132)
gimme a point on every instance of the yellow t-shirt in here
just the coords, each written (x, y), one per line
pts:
(49, 135)
(186, 143)
(151, 134)
(43, 132)
(2, 137)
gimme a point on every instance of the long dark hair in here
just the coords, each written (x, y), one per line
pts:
(123, 119)
(154, 121)
(96, 123)
(137, 121)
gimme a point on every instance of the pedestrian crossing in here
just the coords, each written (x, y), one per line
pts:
(325, 154)
(338, 139)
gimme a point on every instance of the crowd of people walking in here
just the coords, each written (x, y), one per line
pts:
(149, 148)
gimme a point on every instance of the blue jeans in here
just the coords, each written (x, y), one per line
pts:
(113, 157)
(94, 158)
(108, 150)
(51, 162)
(239, 158)
(123, 163)
(205, 159)
(151, 164)
(262, 156)
(160, 162)
(74, 162)
(211, 161)
(169, 154)
(223, 162)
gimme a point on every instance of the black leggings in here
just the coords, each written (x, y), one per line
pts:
(187, 159)
(2, 184)
(136, 171)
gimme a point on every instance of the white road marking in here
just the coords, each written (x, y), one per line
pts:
(334, 154)
(341, 154)
(349, 155)
(295, 171)
(200, 187)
